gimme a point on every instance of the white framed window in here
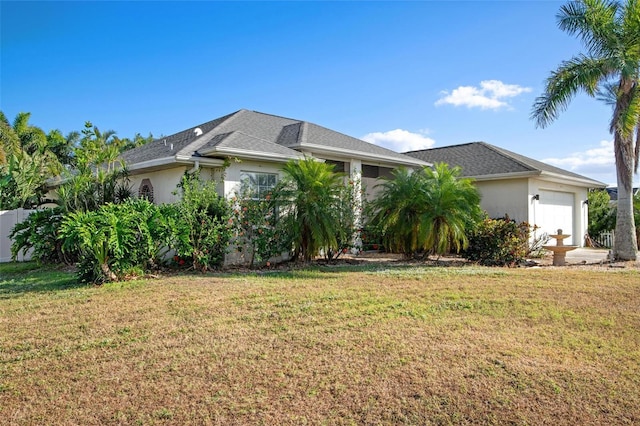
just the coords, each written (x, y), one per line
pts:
(259, 183)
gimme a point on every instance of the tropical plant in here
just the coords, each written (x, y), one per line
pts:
(610, 32)
(307, 197)
(452, 205)
(116, 239)
(427, 210)
(259, 231)
(398, 210)
(39, 232)
(202, 223)
(602, 215)
(498, 242)
(29, 158)
(99, 176)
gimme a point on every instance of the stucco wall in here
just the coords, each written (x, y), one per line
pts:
(232, 178)
(164, 183)
(515, 197)
(504, 197)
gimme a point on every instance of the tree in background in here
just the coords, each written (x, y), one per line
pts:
(610, 32)
(28, 158)
(602, 215)
(99, 176)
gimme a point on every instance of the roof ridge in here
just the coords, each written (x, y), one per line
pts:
(271, 115)
(443, 147)
(510, 155)
(202, 140)
(304, 130)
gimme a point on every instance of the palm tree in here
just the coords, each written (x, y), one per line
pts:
(610, 32)
(399, 208)
(307, 196)
(452, 205)
(28, 162)
(427, 209)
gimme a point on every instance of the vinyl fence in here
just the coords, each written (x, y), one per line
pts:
(605, 239)
(9, 219)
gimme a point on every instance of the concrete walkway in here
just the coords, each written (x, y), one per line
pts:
(579, 256)
(588, 255)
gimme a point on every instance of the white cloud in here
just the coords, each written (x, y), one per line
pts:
(597, 163)
(492, 94)
(400, 140)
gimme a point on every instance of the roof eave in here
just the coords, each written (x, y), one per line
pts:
(586, 182)
(252, 155)
(409, 161)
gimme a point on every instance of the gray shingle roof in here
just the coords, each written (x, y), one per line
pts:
(246, 131)
(480, 159)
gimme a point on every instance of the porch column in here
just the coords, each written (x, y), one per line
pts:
(355, 183)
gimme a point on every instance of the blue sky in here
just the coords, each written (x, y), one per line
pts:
(406, 75)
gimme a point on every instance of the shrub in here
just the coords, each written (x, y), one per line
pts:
(258, 231)
(40, 233)
(498, 242)
(202, 224)
(116, 239)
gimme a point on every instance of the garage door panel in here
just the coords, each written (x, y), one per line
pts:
(555, 211)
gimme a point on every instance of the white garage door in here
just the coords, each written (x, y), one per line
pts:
(554, 211)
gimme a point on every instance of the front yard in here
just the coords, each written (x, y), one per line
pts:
(368, 344)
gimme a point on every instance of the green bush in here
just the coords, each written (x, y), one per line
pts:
(40, 233)
(116, 240)
(201, 222)
(259, 234)
(498, 242)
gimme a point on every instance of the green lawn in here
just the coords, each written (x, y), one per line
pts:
(359, 345)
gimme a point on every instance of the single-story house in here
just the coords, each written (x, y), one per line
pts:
(254, 145)
(520, 187)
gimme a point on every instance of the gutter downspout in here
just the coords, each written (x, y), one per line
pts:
(195, 168)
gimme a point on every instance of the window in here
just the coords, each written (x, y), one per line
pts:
(146, 190)
(260, 184)
(339, 166)
(375, 171)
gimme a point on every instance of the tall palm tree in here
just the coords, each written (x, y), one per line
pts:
(307, 196)
(452, 204)
(610, 32)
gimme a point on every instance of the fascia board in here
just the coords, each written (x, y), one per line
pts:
(362, 156)
(253, 155)
(588, 183)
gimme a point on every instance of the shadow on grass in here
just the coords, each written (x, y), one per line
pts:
(28, 277)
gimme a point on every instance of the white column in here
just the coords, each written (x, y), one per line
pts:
(355, 178)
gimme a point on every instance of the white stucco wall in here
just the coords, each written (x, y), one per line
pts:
(164, 183)
(232, 178)
(500, 197)
(515, 197)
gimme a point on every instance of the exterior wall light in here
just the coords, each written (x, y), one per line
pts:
(536, 197)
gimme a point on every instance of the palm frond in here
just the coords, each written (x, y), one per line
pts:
(581, 73)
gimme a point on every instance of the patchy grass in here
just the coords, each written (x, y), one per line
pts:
(375, 345)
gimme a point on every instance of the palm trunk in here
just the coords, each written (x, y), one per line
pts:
(625, 242)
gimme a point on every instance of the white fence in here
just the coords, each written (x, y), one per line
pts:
(605, 239)
(9, 219)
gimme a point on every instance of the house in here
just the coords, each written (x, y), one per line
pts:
(253, 145)
(613, 193)
(525, 189)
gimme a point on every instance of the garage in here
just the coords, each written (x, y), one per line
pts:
(553, 211)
